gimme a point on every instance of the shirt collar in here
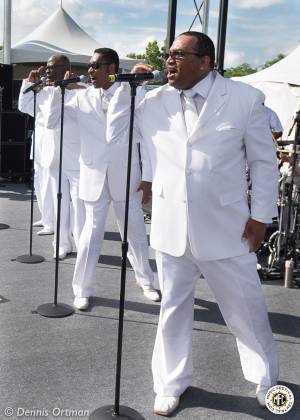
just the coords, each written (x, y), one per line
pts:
(110, 91)
(203, 86)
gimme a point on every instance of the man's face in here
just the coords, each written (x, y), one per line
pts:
(55, 69)
(185, 67)
(99, 70)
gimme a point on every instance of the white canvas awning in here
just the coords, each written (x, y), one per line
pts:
(59, 34)
(281, 85)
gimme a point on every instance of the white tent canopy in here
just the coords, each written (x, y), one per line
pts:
(281, 85)
(59, 34)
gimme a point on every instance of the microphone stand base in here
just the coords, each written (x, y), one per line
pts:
(52, 310)
(3, 226)
(108, 412)
(30, 259)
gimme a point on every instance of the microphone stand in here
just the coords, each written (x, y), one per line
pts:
(116, 411)
(57, 310)
(31, 258)
(291, 186)
(2, 225)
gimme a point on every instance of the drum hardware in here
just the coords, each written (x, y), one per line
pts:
(284, 142)
(280, 150)
(283, 244)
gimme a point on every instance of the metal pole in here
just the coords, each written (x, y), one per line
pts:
(7, 32)
(117, 411)
(205, 16)
(171, 23)
(222, 35)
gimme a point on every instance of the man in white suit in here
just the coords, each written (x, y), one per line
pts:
(103, 169)
(201, 222)
(49, 106)
(42, 184)
(72, 215)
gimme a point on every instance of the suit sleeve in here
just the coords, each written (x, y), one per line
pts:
(54, 110)
(146, 162)
(262, 163)
(118, 115)
(25, 103)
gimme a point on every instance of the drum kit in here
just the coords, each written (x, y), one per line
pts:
(281, 247)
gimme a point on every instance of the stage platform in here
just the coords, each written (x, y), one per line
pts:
(65, 367)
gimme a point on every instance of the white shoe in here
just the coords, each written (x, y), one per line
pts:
(39, 223)
(261, 392)
(149, 292)
(81, 303)
(45, 231)
(61, 254)
(164, 406)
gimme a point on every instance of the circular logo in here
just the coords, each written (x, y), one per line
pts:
(279, 399)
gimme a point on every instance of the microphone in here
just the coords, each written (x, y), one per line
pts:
(65, 82)
(41, 82)
(135, 77)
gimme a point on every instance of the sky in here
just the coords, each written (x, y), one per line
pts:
(257, 30)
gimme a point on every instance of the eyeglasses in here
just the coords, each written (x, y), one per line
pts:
(179, 55)
(95, 66)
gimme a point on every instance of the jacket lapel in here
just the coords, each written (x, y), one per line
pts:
(95, 103)
(172, 103)
(215, 100)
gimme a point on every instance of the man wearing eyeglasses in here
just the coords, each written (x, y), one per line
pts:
(103, 169)
(201, 130)
(48, 150)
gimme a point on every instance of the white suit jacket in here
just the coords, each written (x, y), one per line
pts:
(98, 159)
(48, 117)
(199, 183)
(71, 140)
(26, 105)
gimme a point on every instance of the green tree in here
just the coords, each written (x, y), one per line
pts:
(138, 56)
(153, 55)
(240, 70)
(271, 62)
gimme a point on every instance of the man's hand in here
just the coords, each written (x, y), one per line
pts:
(145, 187)
(70, 86)
(254, 233)
(142, 68)
(35, 75)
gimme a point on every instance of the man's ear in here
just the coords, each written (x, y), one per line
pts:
(205, 61)
(112, 68)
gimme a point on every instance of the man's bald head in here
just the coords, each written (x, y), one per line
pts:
(57, 65)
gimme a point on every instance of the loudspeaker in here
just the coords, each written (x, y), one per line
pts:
(15, 161)
(6, 81)
(14, 127)
(15, 145)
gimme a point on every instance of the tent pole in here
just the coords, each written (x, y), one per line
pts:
(7, 32)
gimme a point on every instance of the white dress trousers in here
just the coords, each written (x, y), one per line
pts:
(42, 186)
(72, 214)
(91, 239)
(235, 284)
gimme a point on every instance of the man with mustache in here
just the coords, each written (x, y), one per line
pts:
(201, 130)
(103, 169)
(48, 148)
